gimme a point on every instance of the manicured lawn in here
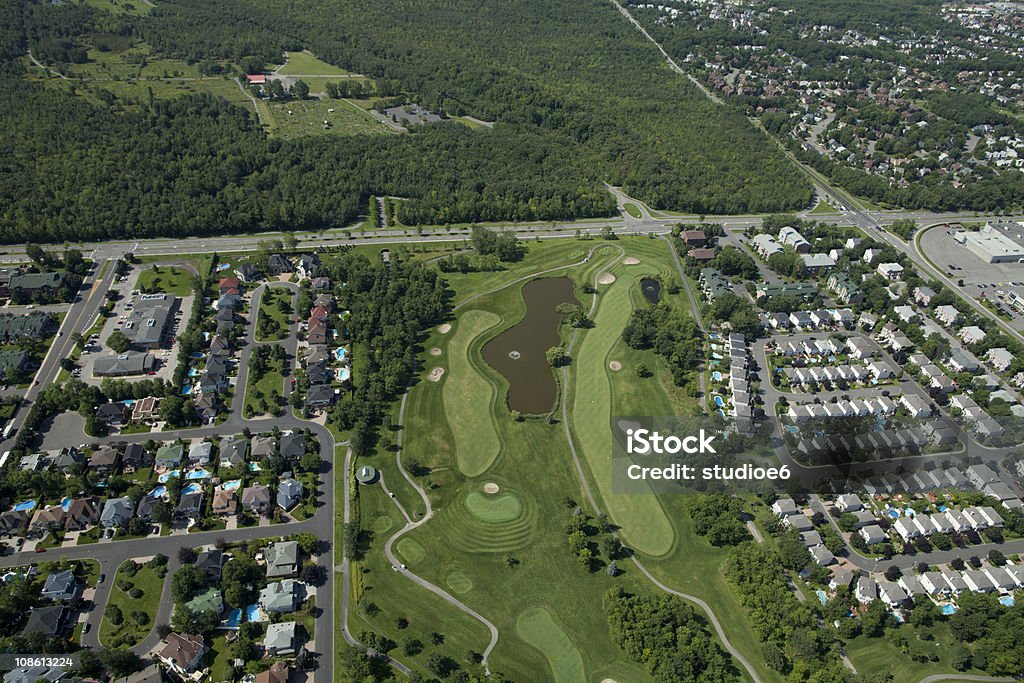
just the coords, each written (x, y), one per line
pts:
(643, 521)
(120, 6)
(632, 209)
(538, 628)
(304, 63)
(876, 656)
(129, 633)
(258, 395)
(822, 207)
(274, 316)
(466, 390)
(168, 279)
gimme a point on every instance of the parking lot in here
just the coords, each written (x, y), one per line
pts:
(975, 277)
(128, 297)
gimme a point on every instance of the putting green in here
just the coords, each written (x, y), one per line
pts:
(382, 524)
(538, 628)
(459, 582)
(468, 397)
(644, 524)
(503, 507)
(411, 550)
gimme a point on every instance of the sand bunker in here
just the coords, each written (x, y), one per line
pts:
(435, 351)
(609, 680)
(626, 425)
(435, 374)
(615, 366)
(630, 261)
(606, 279)
(444, 329)
(491, 488)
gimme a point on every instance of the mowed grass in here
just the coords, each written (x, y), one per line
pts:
(168, 279)
(128, 632)
(299, 118)
(643, 522)
(466, 392)
(300, 63)
(503, 507)
(632, 209)
(136, 7)
(537, 627)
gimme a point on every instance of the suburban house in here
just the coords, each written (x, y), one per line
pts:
(49, 621)
(281, 639)
(256, 498)
(61, 586)
(890, 271)
(182, 654)
(117, 512)
(190, 506)
(282, 559)
(289, 493)
(281, 597)
(82, 514)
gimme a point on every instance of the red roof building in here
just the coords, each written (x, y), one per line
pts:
(256, 79)
(701, 254)
(694, 238)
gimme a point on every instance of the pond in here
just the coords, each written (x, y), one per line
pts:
(519, 353)
(651, 289)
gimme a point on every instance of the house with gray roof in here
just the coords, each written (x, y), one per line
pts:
(282, 559)
(117, 512)
(60, 586)
(281, 639)
(289, 493)
(281, 597)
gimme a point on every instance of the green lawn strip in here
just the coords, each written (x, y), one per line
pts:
(297, 118)
(538, 627)
(169, 279)
(643, 521)
(305, 63)
(502, 507)
(120, 6)
(269, 309)
(822, 207)
(129, 633)
(876, 656)
(632, 209)
(466, 391)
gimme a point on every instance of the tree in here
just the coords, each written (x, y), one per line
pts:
(556, 356)
(299, 89)
(113, 614)
(118, 342)
(187, 581)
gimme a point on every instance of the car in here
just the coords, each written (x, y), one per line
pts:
(40, 550)
(100, 579)
(150, 373)
(86, 628)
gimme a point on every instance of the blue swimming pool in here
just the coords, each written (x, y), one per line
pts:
(719, 402)
(893, 513)
(713, 335)
(26, 506)
(167, 476)
(716, 356)
(948, 609)
(158, 492)
(186, 390)
(234, 619)
(721, 413)
(821, 596)
(197, 474)
(717, 376)
(192, 488)
(344, 374)
(1006, 600)
(255, 467)
(192, 372)
(231, 485)
(340, 352)
(65, 504)
(252, 613)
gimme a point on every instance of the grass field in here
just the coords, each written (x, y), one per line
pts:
(643, 520)
(475, 441)
(129, 632)
(538, 628)
(297, 118)
(259, 396)
(503, 507)
(274, 316)
(632, 209)
(303, 63)
(169, 279)
(822, 207)
(137, 7)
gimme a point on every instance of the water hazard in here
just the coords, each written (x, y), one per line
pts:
(519, 353)
(651, 289)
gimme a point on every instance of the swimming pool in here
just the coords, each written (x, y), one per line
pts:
(158, 492)
(65, 504)
(186, 390)
(1006, 600)
(893, 513)
(792, 429)
(197, 474)
(255, 467)
(192, 488)
(948, 609)
(822, 596)
(343, 374)
(233, 620)
(716, 375)
(253, 613)
(26, 506)
(719, 402)
(713, 335)
(721, 413)
(192, 372)
(167, 476)
(716, 356)
(340, 352)
(231, 485)
(196, 355)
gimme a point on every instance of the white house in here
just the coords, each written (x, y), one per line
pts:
(906, 528)
(890, 271)
(915, 405)
(891, 593)
(873, 534)
(867, 590)
(849, 502)
(972, 334)
(1000, 358)
(947, 315)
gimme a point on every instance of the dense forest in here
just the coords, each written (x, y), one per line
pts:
(586, 100)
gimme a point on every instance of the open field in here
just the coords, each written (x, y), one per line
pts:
(466, 390)
(275, 312)
(537, 627)
(168, 279)
(137, 7)
(296, 118)
(303, 63)
(632, 209)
